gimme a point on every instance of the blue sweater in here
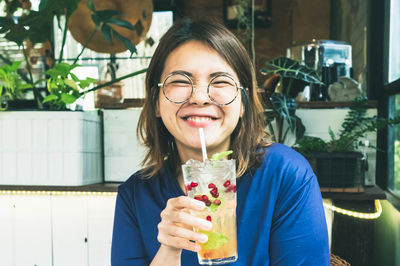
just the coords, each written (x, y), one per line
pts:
(280, 217)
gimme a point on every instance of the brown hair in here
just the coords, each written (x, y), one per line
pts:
(249, 132)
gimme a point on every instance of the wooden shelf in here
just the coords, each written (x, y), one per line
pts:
(325, 105)
(370, 193)
(103, 187)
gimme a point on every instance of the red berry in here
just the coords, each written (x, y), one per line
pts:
(217, 202)
(204, 197)
(208, 218)
(211, 185)
(188, 188)
(234, 188)
(198, 198)
(193, 184)
(214, 190)
(227, 183)
(215, 195)
(207, 202)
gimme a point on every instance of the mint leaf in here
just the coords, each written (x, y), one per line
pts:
(215, 240)
(220, 155)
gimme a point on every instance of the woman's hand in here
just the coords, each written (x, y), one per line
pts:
(176, 227)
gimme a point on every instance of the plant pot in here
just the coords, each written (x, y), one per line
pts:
(50, 148)
(338, 169)
(123, 153)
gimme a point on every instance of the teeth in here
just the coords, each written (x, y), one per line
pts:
(199, 119)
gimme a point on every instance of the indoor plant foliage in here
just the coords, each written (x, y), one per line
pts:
(355, 126)
(51, 148)
(287, 77)
(11, 85)
(63, 87)
(339, 161)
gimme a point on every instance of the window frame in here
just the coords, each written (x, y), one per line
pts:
(381, 90)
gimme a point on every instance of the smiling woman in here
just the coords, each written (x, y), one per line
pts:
(201, 76)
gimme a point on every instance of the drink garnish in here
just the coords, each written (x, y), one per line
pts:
(220, 155)
(215, 240)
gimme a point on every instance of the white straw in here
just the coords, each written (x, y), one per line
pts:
(203, 144)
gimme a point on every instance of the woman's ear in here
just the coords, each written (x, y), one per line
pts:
(241, 110)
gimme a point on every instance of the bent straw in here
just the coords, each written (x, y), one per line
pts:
(203, 144)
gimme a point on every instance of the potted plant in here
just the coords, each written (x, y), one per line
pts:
(339, 163)
(287, 77)
(52, 145)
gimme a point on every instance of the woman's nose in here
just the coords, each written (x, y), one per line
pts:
(200, 95)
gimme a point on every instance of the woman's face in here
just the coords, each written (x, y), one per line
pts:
(201, 63)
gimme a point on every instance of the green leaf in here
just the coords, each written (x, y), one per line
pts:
(15, 65)
(331, 133)
(68, 98)
(128, 44)
(54, 73)
(215, 240)
(74, 77)
(71, 83)
(49, 98)
(290, 68)
(220, 155)
(87, 82)
(106, 32)
(17, 34)
(25, 86)
(309, 144)
(119, 22)
(107, 14)
(285, 107)
(96, 19)
(91, 5)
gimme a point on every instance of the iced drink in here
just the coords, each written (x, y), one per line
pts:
(214, 183)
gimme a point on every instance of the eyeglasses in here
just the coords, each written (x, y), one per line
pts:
(221, 90)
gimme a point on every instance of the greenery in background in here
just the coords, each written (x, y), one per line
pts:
(36, 26)
(243, 11)
(11, 85)
(64, 86)
(293, 77)
(355, 126)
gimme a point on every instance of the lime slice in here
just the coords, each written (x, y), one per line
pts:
(215, 240)
(213, 207)
(220, 155)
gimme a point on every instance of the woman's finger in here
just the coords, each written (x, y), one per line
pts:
(178, 242)
(181, 217)
(181, 232)
(185, 202)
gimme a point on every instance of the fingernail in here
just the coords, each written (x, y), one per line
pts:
(200, 205)
(207, 225)
(203, 238)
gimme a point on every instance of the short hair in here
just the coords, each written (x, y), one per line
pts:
(247, 137)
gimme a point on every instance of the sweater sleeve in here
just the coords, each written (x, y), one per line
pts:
(127, 244)
(299, 233)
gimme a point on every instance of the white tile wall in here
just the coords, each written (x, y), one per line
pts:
(50, 148)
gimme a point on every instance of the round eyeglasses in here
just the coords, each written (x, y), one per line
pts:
(221, 90)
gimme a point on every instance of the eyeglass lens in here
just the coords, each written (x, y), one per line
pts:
(222, 89)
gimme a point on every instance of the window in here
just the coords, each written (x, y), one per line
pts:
(394, 41)
(392, 87)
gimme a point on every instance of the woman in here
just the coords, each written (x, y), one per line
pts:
(201, 76)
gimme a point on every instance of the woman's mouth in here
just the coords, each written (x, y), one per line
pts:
(199, 121)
